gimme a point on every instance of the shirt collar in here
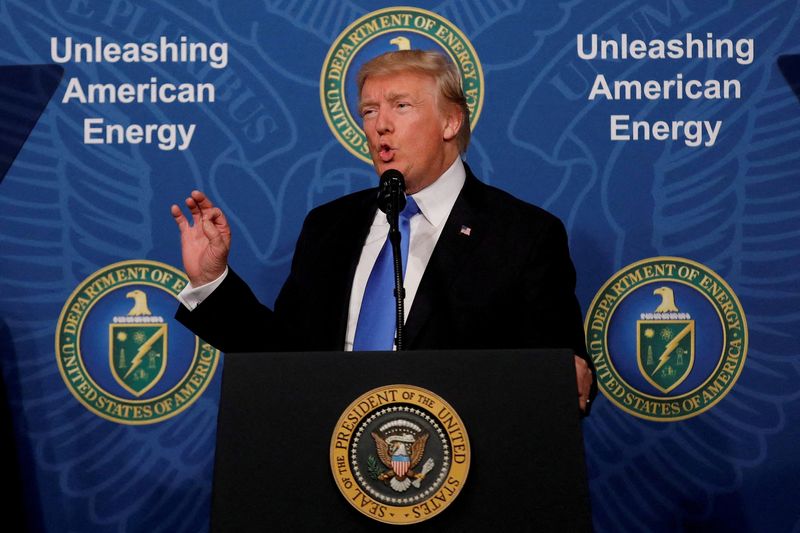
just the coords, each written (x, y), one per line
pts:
(437, 199)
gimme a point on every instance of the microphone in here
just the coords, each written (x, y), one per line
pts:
(392, 200)
(391, 193)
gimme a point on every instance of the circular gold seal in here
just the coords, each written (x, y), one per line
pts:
(384, 30)
(668, 338)
(400, 454)
(120, 351)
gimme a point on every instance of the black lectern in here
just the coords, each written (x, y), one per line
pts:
(278, 413)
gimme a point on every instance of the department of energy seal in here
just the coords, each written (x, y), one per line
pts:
(668, 338)
(384, 30)
(120, 353)
(400, 454)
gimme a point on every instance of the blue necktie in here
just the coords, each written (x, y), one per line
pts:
(377, 319)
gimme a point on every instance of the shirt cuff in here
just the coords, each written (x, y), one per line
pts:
(191, 297)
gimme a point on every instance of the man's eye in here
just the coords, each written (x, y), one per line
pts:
(367, 112)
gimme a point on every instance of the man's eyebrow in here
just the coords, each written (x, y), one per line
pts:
(393, 96)
(390, 97)
(367, 102)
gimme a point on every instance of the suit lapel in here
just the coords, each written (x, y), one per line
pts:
(349, 242)
(461, 237)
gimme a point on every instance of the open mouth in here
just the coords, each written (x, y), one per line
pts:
(385, 152)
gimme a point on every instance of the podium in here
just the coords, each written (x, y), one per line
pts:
(278, 413)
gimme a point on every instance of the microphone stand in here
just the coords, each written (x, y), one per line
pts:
(392, 200)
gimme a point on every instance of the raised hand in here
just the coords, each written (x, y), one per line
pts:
(206, 242)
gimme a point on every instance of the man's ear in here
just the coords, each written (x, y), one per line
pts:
(453, 120)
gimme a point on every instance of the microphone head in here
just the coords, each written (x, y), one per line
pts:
(392, 185)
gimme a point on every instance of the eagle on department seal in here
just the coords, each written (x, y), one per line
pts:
(400, 445)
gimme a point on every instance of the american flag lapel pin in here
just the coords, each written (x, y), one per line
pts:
(465, 230)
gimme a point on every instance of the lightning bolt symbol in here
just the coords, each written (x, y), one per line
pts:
(137, 359)
(672, 345)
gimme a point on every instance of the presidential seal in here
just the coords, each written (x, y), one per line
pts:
(384, 30)
(400, 454)
(120, 353)
(668, 338)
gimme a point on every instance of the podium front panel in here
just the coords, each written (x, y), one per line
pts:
(279, 410)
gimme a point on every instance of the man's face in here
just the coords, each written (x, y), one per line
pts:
(406, 129)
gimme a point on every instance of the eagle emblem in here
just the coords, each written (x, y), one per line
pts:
(400, 445)
(396, 461)
(140, 307)
(138, 346)
(665, 343)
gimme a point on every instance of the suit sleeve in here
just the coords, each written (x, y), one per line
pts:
(232, 319)
(550, 295)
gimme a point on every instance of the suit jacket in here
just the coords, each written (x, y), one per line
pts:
(510, 283)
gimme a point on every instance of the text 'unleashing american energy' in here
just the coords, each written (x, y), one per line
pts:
(154, 90)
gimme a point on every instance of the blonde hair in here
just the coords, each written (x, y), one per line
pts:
(428, 63)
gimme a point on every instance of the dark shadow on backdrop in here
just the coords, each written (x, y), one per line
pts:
(24, 93)
(789, 66)
(13, 508)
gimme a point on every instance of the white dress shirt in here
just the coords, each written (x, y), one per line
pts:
(435, 203)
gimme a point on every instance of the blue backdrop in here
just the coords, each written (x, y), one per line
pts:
(264, 151)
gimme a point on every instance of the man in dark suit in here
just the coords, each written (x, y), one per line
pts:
(484, 269)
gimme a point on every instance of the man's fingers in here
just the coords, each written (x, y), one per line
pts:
(180, 218)
(584, 379)
(200, 206)
(194, 209)
(210, 225)
(204, 215)
(202, 200)
(217, 217)
(216, 227)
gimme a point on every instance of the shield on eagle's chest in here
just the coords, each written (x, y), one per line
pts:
(665, 351)
(137, 355)
(400, 464)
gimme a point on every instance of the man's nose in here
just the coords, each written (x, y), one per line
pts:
(383, 123)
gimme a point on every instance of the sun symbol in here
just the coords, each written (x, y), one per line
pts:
(666, 334)
(649, 333)
(138, 337)
(122, 336)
